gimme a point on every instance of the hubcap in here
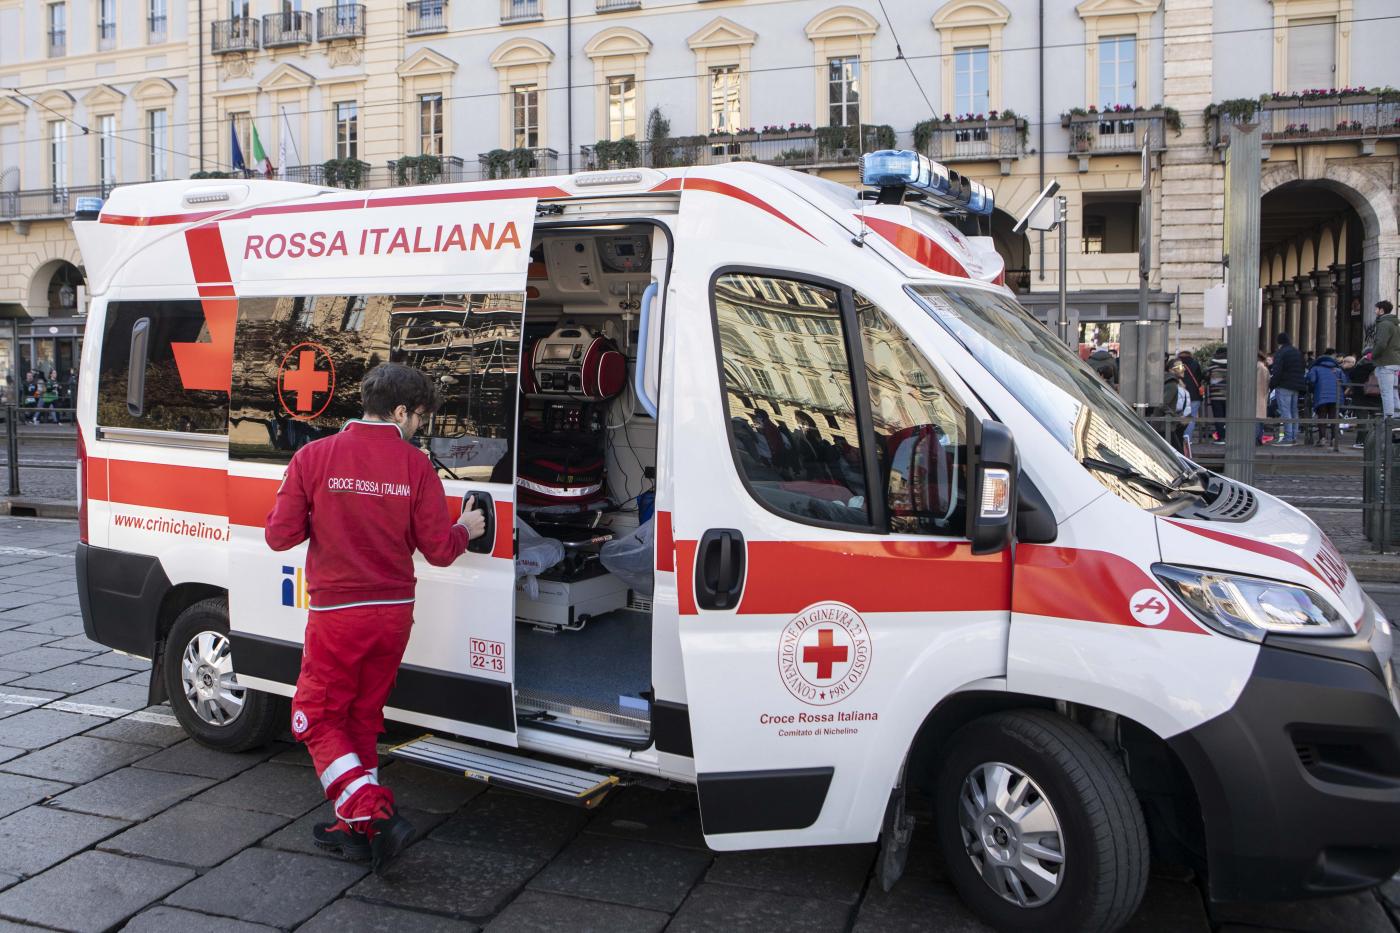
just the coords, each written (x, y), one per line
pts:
(211, 688)
(1011, 834)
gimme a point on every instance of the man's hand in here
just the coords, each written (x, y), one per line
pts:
(472, 519)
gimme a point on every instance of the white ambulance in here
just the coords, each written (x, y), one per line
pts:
(894, 536)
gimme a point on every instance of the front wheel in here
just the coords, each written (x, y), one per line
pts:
(1039, 826)
(204, 691)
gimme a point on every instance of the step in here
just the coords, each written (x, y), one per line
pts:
(506, 769)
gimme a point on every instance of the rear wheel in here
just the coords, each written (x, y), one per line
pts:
(1038, 825)
(204, 691)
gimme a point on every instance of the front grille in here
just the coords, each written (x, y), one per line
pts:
(1307, 754)
(1225, 501)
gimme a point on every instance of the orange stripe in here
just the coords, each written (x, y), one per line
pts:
(1092, 586)
(96, 475)
(250, 499)
(505, 531)
(914, 244)
(719, 187)
(165, 486)
(665, 543)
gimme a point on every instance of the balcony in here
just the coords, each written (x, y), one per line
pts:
(427, 170)
(1117, 133)
(281, 30)
(156, 27)
(973, 141)
(801, 148)
(517, 163)
(58, 43)
(106, 35)
(342, 21)
(617, 6)
(1362, 119)
(426, 17)
(233, 35)
(523, 11)
(46, 203)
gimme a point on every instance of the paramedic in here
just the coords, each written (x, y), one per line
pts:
(366, 498)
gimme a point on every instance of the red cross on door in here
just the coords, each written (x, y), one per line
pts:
(824, 653)
(307, 371)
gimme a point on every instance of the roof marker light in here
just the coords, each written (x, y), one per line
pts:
(602, 179)
(894, 170)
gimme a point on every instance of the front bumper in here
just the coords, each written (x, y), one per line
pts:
(1299, 782)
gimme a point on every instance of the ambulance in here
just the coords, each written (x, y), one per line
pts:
(895, 539)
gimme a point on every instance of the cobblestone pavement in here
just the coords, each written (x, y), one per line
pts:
(111, 819)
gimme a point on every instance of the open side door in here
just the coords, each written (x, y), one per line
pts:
(308, 331)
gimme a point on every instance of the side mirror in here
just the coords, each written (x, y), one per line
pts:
(992, 503)
(1035, 522)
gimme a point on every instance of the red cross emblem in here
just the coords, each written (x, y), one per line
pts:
(307, 372)
(825, 653)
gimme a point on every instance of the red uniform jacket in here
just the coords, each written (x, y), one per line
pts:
(366, 498)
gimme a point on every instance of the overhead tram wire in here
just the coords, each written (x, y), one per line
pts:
(899, 54)
(772, 69)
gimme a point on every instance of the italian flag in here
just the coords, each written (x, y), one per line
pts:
(260, 159)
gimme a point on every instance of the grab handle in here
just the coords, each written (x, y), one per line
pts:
(639, 382)
(487, 542)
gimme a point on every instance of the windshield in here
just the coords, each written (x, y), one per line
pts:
(1060, 390)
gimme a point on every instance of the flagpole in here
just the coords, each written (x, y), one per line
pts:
(288, 124)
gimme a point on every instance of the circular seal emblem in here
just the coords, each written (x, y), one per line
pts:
(299, 722)
(824, 653)
(1148, 606)
(306, 381)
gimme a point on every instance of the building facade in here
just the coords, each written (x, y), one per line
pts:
(394, 92)
(92, 94)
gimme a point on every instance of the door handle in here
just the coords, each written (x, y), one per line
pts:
(487, 542)
(719, 569)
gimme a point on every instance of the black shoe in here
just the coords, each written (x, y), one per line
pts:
(391, 836)
(338, 837)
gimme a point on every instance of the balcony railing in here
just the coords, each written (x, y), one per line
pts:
(825, 146)
(522, 11)
(234, 35)
(984, 141)
(617, 6)
(106, 34)
(156, 27)
(58, 43)
(449, 169)
(284, 29)
(46, 203)
(426, 16)
(1364, 119)
(342, 21)
(1114, 133)
(517, 163)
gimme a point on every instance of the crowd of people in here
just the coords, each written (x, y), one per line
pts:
(1289, 385)
(44, 396)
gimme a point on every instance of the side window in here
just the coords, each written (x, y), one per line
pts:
(920, 430)
(139, 381)
(299, 361)
(789, 401)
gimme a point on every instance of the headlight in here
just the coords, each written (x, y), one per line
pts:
(1251, 607)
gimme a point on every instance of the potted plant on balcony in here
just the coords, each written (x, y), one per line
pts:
(523, 162)
(344, 173)
(924, 132)
(1081, 137)
(417, 170)
(497, 163)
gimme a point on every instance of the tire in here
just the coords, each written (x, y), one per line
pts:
(222, 715)
(1101, 873)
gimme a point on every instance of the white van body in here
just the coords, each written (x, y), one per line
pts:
(809, 650)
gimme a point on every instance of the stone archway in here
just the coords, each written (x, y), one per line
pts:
(1369, 191)
(40, 278)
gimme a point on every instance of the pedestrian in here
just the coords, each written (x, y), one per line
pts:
(1261, 396)
(1193, 379)
(1326, 382)
(30, 398)
(365, 498)
(1365, 396)
(1104, 364)
(1218, 390)
(1175, 406)
(1386, 353)
(1288, 378)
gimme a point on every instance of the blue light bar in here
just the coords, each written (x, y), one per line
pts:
(87, 208)
(904, 168)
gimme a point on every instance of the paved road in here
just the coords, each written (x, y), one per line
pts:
(111, 819)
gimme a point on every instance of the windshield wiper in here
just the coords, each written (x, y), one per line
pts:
(1165, 490)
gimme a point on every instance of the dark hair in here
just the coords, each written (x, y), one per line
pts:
(1283, 340)
(389, 385)
(1385, 306)
(1330, 351)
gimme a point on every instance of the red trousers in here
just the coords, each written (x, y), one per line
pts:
(348, 667)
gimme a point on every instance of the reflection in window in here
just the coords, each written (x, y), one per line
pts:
(139, 380)
(919, 429)
(468, 344)
(798, 450)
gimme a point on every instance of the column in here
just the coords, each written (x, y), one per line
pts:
(1306, 338)
(1293, 310)
(1327, 309)
(1273, 301)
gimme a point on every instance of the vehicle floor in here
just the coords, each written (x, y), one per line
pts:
(609, 659)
